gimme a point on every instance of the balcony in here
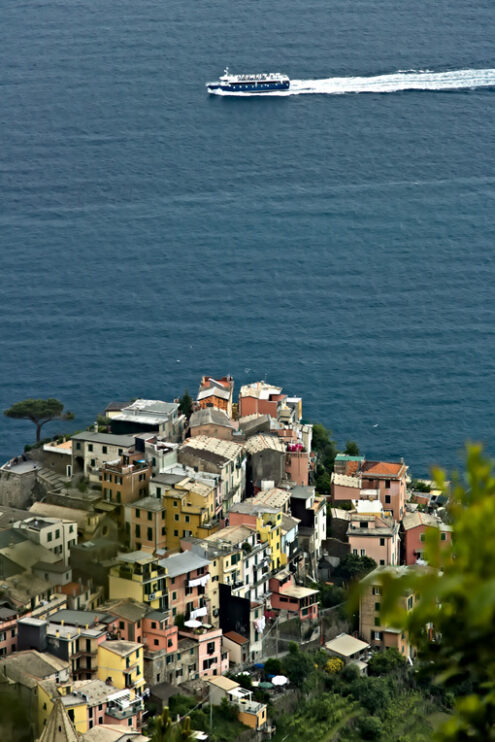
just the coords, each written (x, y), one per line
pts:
(123, 708)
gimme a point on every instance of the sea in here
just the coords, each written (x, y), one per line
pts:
(337, 241)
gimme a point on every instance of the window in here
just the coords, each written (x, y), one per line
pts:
(50, 536)
(104, 449)
(387, 484)
(174, 596)
(382, 562)
(57, 533)
(173, 580)
(78, 446)
(382, 542)
(409, 602)
(150, 515)
(443, 536)
(175, 503)
(388, 499)
(176, 533)
(158, 489)
(363, 525)
(377, 621)
(163, 514)
(121, 625)
(187, 519)
(150, 534)
(422, 537)
(377, 590)
(156, 642)
(355, 551)
(176, 516)
(377, 606)
(93, 463)
(138, 513)
(138, 531)
(169, 642)
(363, 552)
(163, 531)
(90, 446)
(119, 499)
(377, 635)
(121, 451)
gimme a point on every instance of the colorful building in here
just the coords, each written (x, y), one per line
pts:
(217, 393)
(216, 456)
(189, 508)
(374, 535)
(188, 578)
(414, 528)
(287, 596)
(138, 575)
(267, 520)
(146, 524)
(120, 663)
(371, 627)
(212, 658)
(124, 481)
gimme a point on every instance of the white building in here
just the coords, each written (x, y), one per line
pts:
(56, 535)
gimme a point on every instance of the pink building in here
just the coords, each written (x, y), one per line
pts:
(211, 659)
(188, 575)
(160, 633)
(389, 479)
(414, 527)
(297, 464)
(356, 478)
(8, 631)
(287, 596)
(375, 537)
(135, 622)
(260, 398)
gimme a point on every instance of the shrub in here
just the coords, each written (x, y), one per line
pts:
(370, 727)
(273, 666)
(382, 663)
(334, 665)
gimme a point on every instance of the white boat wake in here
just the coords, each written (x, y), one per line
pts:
(411, 80)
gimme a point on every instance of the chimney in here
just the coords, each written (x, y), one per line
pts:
(95, 426)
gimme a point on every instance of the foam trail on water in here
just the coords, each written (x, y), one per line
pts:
(421, 80)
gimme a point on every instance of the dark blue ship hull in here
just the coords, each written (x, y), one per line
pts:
(258, 87)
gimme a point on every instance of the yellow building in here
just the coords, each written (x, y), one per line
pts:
(267, 519)
(189, 510)
(75, 706)
(120, 663)
(139, 576)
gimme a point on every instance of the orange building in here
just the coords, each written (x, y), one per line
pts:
(125, 481)
(216, 393)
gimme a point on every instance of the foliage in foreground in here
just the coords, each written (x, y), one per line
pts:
(452, 620)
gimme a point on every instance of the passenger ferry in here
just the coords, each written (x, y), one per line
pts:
(262, 83)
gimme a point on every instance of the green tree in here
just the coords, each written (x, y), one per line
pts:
(297, 665)
(383, 663)
(186, 404)
(353, 567)
(452, 620)
(273, 666)
(351, 448)
(324, 446)
(39, 411)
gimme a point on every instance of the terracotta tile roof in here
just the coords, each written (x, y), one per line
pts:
(383, 469)
(235, 637)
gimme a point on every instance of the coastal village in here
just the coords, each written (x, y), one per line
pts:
(185, 548)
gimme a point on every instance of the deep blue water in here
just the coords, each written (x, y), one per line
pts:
(341, 246)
